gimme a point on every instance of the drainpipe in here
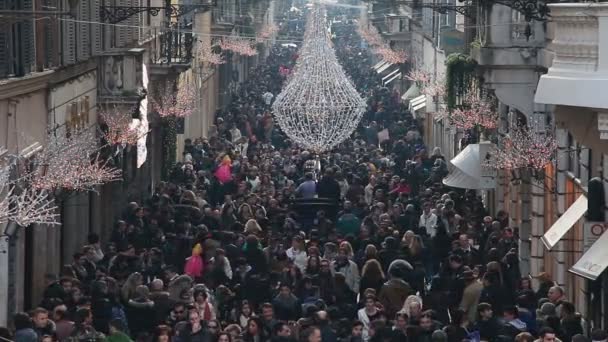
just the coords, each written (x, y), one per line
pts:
(562, 168)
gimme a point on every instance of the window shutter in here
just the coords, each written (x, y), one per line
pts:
(132, 23)
(96, 29)
(84, 43)
(50, 38)
(27, 36)
(4, 48)
(68, 34)
(121, 31)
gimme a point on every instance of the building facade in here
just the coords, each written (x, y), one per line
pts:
(65, 61)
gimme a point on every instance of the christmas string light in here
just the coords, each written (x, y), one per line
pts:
(71, 161)
(207, 55)
(427, 85)
(371, 35)
(171, 103)
(266, 32)
(119, 129)
(476, 110)
(523, 148)
(239, 46)
(29, 207)
(319, 107)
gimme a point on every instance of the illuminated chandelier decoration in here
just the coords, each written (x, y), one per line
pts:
(319, 108)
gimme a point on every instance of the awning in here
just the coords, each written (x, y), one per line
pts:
(411, 92)
(565, 222)
(417, 104)
(594, 261)
(378, 65)
(467, 169)
(391, 76)
(392, 79)
(384, 67)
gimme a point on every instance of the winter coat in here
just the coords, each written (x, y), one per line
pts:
(393, 294)
(162, 305)
(351, 273)
(141, 316)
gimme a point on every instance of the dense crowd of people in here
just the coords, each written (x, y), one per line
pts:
(219, 252)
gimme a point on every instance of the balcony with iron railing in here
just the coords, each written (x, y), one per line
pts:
(172, 49)
(578, 44)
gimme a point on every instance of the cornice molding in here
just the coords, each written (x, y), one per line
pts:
(24, 85)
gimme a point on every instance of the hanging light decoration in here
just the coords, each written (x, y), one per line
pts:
(71, 162)
(319, 107)
(240, 46)
(30, 206)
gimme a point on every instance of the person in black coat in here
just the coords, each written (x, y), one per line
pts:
(487, 324)
(101, 307)
(141, 315)
(194, 330)
(328, 187)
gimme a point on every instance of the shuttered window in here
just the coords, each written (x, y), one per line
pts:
(96, 29)
(4, 45)
(84, 28)
(28, 53)
(68, 40)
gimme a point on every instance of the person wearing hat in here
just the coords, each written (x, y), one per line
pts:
(394, 292)
(470, 295)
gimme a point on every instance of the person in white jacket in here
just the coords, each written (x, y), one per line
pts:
(297, 253)
(428, 220)
(367, 315)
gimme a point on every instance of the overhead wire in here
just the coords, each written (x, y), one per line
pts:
(181, 30)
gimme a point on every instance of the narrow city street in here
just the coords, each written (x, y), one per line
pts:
(303, 171)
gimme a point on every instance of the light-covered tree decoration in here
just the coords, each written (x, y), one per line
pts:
(119, 128)
(476, 110)
(371, 35)
(319, 107)
(71, 162)
(23, 205)
(240, 46)
(266, 32)
(426, 83)
(170, 102)
(30, 206)
(523, 148)
(419, 76)
(391, 56)
(207, 55)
